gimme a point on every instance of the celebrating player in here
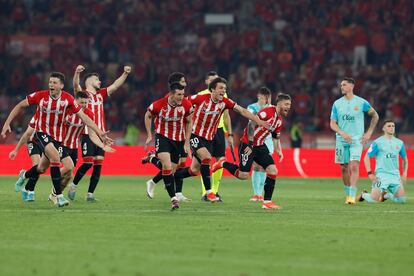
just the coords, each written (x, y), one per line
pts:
(347, 120)
(259, 174)
(92, 154)
(386, 179)
(252, 148)
(151, 158)
(208, 109)
(218, 142)
(172, 116)
(53, 104)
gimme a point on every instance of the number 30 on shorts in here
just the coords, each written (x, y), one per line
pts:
(194, 142)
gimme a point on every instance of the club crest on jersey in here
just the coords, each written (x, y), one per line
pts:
(62, 104)
(356, 108)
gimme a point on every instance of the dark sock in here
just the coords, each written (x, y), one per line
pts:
(156, 161)
(268, 188)
(30, 185)
(56, 178)
(232, 168)
(81, 172)
(96, 174)
(178, 185)
(157, 178)
(205, 174)
(183, 173)
(169, 184)
(32, 172)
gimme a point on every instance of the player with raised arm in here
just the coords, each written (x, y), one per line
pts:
(208, 109)
(347, 120)
(219, 141)
(386, 179)
(53, 105)
(253, 148)
(93, 155)
(172, 119)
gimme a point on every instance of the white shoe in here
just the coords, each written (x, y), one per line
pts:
(150, 188)
(52, 198)
(181, 197)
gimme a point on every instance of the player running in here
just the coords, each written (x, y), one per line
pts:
(208, 109)
(386, 179)
(252, 148)
(259, 174)
(172, 119)
(53, 104)
(93, 155)
(347, 120)
(218, 142)
(151, 158)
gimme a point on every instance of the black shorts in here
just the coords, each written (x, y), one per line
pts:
(42, 140)
(197, 142)
(260, 155)
(33, 148)
(73, 154)
(175, 148)
(89, 148)
(219, 144)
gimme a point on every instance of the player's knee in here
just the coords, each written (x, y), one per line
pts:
(243, 175)
(271, 170)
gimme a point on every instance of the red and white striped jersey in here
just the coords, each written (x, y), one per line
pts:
(207, 114)
(52, 112)
(75, 127)
(96, 105)
(269, 115)
(169, 120)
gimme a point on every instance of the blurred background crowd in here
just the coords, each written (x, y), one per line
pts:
(301, 47)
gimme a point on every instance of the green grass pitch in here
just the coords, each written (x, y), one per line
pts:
(126, 233)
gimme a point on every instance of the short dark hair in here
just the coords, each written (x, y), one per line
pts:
(264, 91)
(388, 121)
(214, 83)
(58, 75)
(349, 79)
(175, 77)
(81, 95)
(175, 85)
(211, 73)
(90, 75)
(283, 97)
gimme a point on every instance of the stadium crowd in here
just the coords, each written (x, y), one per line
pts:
(301, 47)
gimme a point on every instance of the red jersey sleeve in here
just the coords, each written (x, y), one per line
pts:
(154, 108)
(103, 92)
(195, 99)
(264, 114)
(230, 104)
(278, 129)
(89, 113)
(35, 97)
(72, 106)
(188, 107)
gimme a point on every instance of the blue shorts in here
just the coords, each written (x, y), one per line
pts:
(344, 152)
(385, 186)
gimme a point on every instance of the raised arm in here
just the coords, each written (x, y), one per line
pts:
(374, 120)
(76, 79)
(15, 111)
(245, 113)
(119, 81)
(23, 140)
